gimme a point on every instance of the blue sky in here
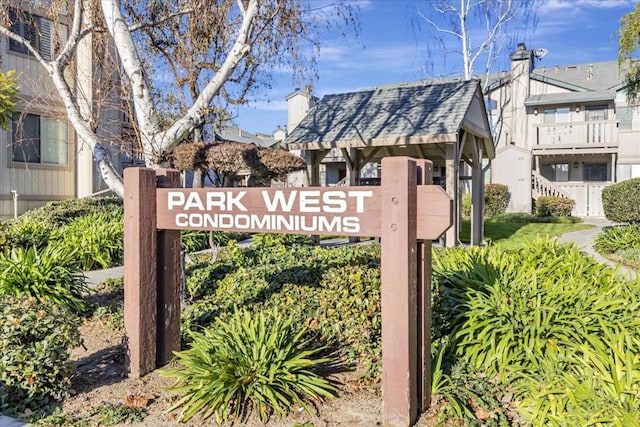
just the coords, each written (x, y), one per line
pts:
(390, 49)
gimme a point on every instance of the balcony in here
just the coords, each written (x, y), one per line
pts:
(596, 136)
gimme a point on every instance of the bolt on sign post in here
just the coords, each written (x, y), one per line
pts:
(404, 212)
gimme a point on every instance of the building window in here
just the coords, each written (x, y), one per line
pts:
(628, 118)
(35, 29)
(38, 139)
(556, 115)
(594, 113)
(557, 172)
(595, 171)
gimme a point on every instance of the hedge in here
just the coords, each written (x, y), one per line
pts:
(621, 201)
(554, 206)
(496, 199)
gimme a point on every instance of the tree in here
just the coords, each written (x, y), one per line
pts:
(215, 48)
(478, 31)
(8, 98)
(227, 160)
(629, 44)
(492, 21)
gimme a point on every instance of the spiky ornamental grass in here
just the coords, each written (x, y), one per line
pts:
(49, 274)
(260, 362)
(558, 328)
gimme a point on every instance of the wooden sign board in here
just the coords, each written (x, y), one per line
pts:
(342, 211)
(404, 213)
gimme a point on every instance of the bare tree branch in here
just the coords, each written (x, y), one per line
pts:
(133, 28)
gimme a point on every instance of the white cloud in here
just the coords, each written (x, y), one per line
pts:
(343, 58)
(266, 105)
(549, 7)
(333, 53)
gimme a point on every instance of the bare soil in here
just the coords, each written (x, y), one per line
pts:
(100, 378)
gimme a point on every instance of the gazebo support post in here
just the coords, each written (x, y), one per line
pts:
(352, 159)
(451, 185)
(477, 196)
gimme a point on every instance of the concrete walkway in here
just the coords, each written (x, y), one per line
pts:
(10, 422)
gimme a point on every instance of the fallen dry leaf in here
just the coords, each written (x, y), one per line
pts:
(138, 401)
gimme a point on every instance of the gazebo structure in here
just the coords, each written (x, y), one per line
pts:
(445, 122)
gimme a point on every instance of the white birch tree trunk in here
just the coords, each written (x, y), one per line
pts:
(154, 140)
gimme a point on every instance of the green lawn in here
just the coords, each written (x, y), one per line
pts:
(514, 234)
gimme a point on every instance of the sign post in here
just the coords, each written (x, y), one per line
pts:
(403, 211)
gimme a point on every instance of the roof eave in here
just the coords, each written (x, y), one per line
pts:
(586, 98)
(393, 140)
(559, 83)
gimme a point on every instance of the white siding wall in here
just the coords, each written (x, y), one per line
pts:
(35, 184)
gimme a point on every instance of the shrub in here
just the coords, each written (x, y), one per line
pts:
(260, 362)
(629, 256)
(556, 327)
(526, 218)
(194, 240)
(37, 227)
(554, 206)
(621, 201)
(603, 379)
(496, 199)
(34, 353)
(349, 315)
(614, 239)
(26, 234)
(59, 213)
(466, 205)
(96, 240)
(49, 274)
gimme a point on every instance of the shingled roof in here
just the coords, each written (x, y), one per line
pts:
(596, 76)
(592, 76)
(408, 113)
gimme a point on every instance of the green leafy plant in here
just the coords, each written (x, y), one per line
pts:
(25, 234)
(614, 239)
(96, 240)
(442, 386)
(466, 205)
(113, 414)
(599, 383)
(106, 414)
(194, 240)
(629, 256)
(554, 325)
(261, 362)
(34, 353)
(496, 199)
(49, 274)
(621, 201)
(550, 206)
(525, 218)
(348, 315)
(8, 97)
(64, 212)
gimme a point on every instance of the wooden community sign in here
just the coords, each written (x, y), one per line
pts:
(405, 212)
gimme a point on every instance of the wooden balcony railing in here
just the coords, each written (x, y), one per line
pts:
(583, 133)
